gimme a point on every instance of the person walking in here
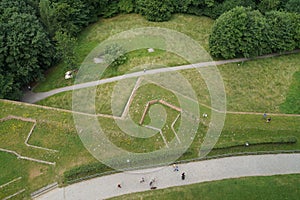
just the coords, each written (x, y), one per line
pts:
(175, 168)
(183, 176)
(142, 180)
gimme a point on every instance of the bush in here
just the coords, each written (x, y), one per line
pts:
(110, 9)
(268, 5)
(126, 6)
(181, 6)
(155, 10)
(84, 171)
(293, 6)
(227, 5)
(282, 31)
(269, 141)
(242, 32)
(114, 55)
(237, 33)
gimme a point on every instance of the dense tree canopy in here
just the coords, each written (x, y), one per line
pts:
(237, 33)
(242, 32)
(25, 48)
(293, 6)
(155, 10)
(282, 32)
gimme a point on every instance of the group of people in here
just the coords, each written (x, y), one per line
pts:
(153, 180)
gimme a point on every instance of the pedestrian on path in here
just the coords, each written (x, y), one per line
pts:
(119, 185)
(152, 182)
(175, 168)
(183, 176)
(269, 120)
(142, 180)
(265, 116)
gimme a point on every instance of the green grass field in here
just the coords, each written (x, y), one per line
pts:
(198, 28)
(269, 85)
(268, 187)
(54, 130)
(255, 86)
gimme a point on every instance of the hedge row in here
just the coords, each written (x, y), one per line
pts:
(269, 141)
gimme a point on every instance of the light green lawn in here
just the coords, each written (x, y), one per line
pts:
(198, 28)
(269, 187)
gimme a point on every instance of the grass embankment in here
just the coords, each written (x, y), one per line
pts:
(268, 187)
(54, 130)
(198, 28)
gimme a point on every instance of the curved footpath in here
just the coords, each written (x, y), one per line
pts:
(31, 97)
(196, 172)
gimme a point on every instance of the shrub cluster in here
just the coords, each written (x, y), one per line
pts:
(243, 32)
(85, 170)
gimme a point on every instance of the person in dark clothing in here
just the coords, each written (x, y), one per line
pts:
(183, 176)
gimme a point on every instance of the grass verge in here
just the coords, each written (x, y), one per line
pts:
(268, 187)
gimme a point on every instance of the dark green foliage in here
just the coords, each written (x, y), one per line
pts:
(126, 6)
(84, 171)
(155, 10)
(227, 5)
(110, 9)
(47, 16)
(114, 55)
(65, 48)
(72, 15)
(181, 6)
(268, 5)
(243, 32)
(281, 31)
(269, 141)
(293, 6)
(196, 7)
(237, 33)
(25, 48)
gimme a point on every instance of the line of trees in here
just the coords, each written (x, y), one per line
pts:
(36, 34)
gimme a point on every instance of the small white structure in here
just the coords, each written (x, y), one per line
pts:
(98, 60)
(68, 75)
(150, 50)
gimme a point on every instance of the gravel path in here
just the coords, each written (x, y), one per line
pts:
(196, 172)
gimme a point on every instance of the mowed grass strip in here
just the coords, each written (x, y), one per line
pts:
(269, 187)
